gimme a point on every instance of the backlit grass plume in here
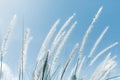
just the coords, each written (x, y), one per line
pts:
(26, 40)
(4, 45)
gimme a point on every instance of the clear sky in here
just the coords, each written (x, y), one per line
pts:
(39, 16)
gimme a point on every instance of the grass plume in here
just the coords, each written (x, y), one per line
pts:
(4, 46)
(97, 42)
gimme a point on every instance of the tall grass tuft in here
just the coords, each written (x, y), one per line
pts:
(50, 70)
(47, 67)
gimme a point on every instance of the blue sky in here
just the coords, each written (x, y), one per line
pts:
(39, 16)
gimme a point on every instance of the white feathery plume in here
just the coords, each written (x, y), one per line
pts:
(102, 70)
(61, 33)
(97, 15)
(69, 59)
(104, 77)
(61, 45)
(71, 54)
(38, 70)
(42, 52)
(64, 26)
(7, 36)
(80, 67)
(88, 31)
(97, 42)
(98, 71)
(41, 68)
(55, 43)
(5, 42)
(27, 39)
(47, 40)
(103, 51)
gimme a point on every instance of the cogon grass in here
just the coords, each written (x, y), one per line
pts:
(103, 51)
(46, 69)
(26, 40)
(69, 60)
(61, 45)
(88, 31)
(4, 46)
(97, 42)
